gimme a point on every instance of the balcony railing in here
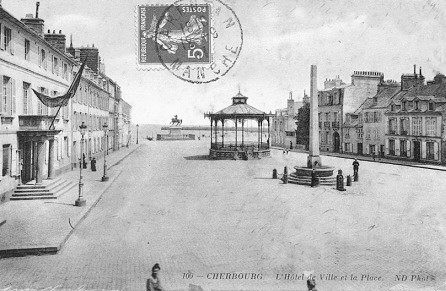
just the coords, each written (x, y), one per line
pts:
(392, 131)
(335, 124)
(35, 122)
(327, 124)
(404, 132)
(391, 152)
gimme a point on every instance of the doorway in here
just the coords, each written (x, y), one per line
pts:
(416, 150)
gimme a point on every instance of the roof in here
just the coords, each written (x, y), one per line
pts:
(242, 109)
(383, 97)
(239, 107)
(6, 15)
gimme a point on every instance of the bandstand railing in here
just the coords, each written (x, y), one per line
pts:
(239, 147)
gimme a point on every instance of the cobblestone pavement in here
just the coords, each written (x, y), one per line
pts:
(170, 206)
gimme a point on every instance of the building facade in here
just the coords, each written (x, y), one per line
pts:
(415, 120)
(283, 131)
(33, 147)
(338, 99)
(30, 150)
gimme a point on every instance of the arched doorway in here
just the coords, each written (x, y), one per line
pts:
(336, 142)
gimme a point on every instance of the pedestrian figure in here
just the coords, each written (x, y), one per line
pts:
(355, 170)
(291, 145)
(311, 284)
(373, 156)
(93, 164)
(153, 283)
(340, 181)
(314, 179)
(84, 162)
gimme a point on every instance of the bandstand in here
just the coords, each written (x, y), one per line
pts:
(239, 148)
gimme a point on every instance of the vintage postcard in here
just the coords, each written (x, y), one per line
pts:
(210, 145)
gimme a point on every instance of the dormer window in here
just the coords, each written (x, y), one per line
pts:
(392, 107)
(431, 106)
(404, 108)
(375, 100)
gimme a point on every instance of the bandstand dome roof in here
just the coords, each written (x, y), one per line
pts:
(239, 107)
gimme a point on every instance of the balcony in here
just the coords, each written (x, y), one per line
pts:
(34, 122)
(392, 131)
(335, 124)
(404, 132)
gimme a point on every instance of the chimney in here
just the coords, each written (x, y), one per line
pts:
(36, 24)
(291, 95)
(414, 69)
(420, 72)
(57, 40)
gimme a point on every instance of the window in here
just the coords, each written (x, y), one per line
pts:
(56, 66)
(7, 39)
(404, 108)
(431, 126)
(431, 106)
(392, 125)
(41, 108)
(404, 126)
(403, 148)
(430, 154)
(65, 71)
(367, 134)
(392, 147)
(7, 101)
(66, 146)
(416, 126)
(27, 49)
(26, 99)
(392, 107)
(6, 169)
(417, 105)
(43, 61)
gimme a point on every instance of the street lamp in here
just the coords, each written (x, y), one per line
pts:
(137, 133)
(80, 201)
(105, 177)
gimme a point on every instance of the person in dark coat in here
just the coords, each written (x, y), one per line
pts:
(84, 162)
(355, 169)
(93, 164)
(154, 283)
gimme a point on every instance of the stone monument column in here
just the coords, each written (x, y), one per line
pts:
(314, 160)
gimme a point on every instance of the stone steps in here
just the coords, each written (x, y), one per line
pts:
(306, 180)
(50, 189)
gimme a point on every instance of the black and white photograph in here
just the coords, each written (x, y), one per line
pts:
(219, 145)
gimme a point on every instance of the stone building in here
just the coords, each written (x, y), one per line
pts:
(31, 59)
(373, 119)
(283, 131)
(30, 150)
(415, 120)
(338, 99)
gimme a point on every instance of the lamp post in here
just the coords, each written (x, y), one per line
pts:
(80, 201)
(105, 177)
(137, 133)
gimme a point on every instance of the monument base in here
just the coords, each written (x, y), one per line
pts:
(314, 162)
(302, 176)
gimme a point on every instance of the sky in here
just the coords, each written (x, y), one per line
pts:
(281, 40)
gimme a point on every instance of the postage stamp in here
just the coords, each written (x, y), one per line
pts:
(197, 41)
(180, 32)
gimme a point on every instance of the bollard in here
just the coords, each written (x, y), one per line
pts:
(285, 175)
(340, 181)
(349, 180)
(274, 174)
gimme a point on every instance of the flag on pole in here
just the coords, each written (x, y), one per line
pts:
(60, 101)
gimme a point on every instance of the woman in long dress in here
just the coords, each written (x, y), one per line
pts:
(154, 283)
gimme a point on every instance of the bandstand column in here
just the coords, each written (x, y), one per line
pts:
(211, 132)
(216, 131)
(51, 159)
(40, 161)
(258, 133)
(222, 132)
(268, 133)
(243, 132)
(236, 133)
